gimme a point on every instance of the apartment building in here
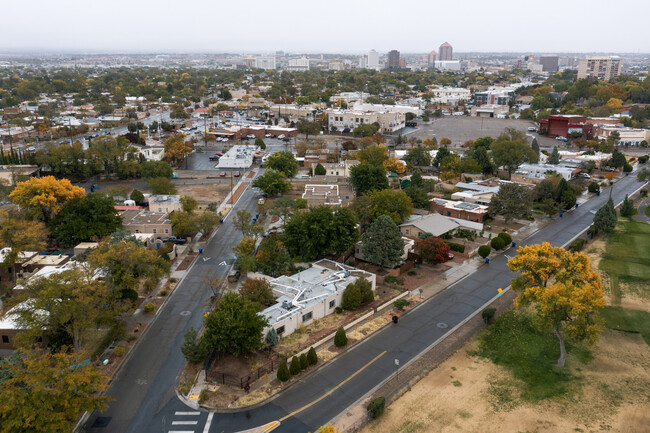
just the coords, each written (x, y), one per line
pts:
(340, 120)
(164, 203)
(450, 95)
(459, 210)
(602, 68)
(139, 221)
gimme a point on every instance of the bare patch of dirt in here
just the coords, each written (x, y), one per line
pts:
(462, 395)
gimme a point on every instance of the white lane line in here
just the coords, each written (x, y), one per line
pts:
(184, 422)
(208, 422)
(187, 413)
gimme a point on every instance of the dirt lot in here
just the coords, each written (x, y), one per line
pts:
(612, 395)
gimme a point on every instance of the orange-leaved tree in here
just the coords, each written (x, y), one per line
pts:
(563, 289)
(177, 148)
(43, 197)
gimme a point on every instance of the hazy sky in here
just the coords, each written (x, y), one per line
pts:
(329, 26)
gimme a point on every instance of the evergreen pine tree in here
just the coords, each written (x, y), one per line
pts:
(627, 208)
(294, 367)
(304, 363)
(283, 372)
(555, 156)
(535, 146)
(606, 218)
(312, 357)
(340, 339)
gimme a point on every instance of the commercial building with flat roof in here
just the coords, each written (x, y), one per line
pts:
(460, 210)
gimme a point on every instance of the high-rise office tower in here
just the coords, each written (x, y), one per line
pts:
(373, 60)
(393, 60)
(445, 52)
(603, 68)
(549, 63)
(431, 61)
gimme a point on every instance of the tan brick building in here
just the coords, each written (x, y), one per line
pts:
(139, 221)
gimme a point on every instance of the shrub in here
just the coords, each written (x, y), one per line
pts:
(162, 293)
(352, 297)
(312, 357)
(392, 279)
(488, 314)
(304, 363)
(456, 247)
(340, 339)
(412, 272)
(498, 243)
(338, 310)
(627, 168)
(283, 372)
(484, 250)
(272, 337)
(294, 367)
(593, 187)
(506, 237)
(577, 245)
(401, 303)
(376, 407)
(149, 307)
(366, 291)
(118, 351)
(203, 396)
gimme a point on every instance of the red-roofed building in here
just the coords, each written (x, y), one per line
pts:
(201, 112)
(566, 124)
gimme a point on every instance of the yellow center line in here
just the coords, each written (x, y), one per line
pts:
(295, 412)
(270, 426)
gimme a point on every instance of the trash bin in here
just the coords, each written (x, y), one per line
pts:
(200, 250)
(577, 204)
(395, 319)
(487, 260)
(598, 193)
(514, 244)
(221, 221)
(561, 213)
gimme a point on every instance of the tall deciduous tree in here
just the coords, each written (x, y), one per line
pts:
(47, 392)
(382, 243)
(86, 218)
(561, 286)
(234, 326)
(126, 264)
(418, 156)
(367, 177)
(74, 302)
(44, 197)
(375, 154)
(272, 183)
(512, 201)
(433, 249)
(153, 169)
(272, 257)
(257, 290)
(284, 162)
(396, 204)
(177, 148)
(308, 128)
(320, 232)
(510, 150)
(20, 235)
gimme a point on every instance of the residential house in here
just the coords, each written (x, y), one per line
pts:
(409, 245)
(338, 194)
(310, 295)
(164, 203)
(138, 221)
(433, 223)
(459, 210)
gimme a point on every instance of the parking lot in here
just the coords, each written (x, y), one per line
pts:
(460, 129)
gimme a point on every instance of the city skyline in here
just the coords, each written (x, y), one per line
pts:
(72, 26)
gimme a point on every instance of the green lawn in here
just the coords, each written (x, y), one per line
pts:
(529, 353)
(647, 211)
(627, 320)
(627, 257)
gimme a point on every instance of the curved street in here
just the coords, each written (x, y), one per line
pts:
(145, 400)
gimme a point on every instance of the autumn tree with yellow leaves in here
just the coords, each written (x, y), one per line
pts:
(20, 235)
(43, 197)
(45, 392)
(395, 165)
(563, 289)
(177, 148)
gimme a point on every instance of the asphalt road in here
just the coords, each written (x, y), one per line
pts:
(145, 400)
(146, 383)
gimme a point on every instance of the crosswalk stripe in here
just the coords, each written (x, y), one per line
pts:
(208, 422)
(184, 422)
(186, 413)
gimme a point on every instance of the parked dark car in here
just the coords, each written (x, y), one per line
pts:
(214, 158)
(175, 240)
(233, 276)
